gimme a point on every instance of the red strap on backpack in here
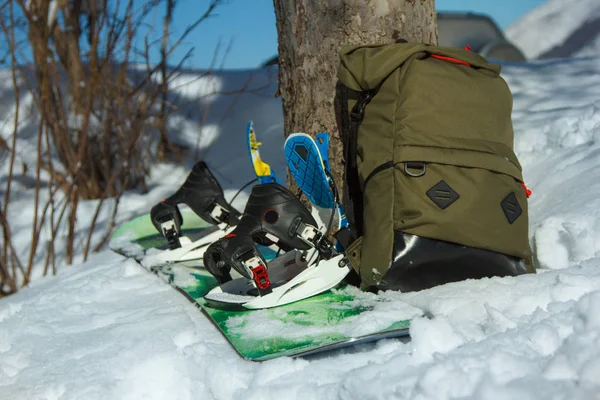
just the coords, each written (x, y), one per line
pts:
(451, 59)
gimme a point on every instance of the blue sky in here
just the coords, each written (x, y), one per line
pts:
(248, 28)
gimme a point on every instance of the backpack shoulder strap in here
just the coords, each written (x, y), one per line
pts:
(352, 194)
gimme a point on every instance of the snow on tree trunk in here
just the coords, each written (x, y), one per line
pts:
(311, 33)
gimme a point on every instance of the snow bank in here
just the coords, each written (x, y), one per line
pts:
(109, 330)
(559, 28)
(557, 139)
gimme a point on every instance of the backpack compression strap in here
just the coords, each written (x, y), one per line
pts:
(353, 201)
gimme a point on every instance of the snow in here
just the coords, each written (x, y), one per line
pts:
(107, 329)
(83, 335)
(558, 28)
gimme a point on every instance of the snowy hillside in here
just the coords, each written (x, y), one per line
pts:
(110, 330)
(559, 28)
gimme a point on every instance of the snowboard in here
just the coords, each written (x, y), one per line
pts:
(329, 321)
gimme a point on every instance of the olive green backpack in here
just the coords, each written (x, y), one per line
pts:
(434, 191)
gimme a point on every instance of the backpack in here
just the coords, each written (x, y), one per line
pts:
(434, 191)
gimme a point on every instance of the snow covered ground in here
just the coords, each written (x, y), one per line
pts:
(558, 28)
(109, 330)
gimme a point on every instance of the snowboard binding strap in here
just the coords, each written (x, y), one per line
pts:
(203, 194)
(167, 219)
(316, 239)
(258, 271)
(219, 214)
(171, 233)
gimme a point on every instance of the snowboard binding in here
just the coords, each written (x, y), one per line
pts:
(273, 216)
(203, 194)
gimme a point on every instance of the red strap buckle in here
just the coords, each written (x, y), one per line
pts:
(261, 277)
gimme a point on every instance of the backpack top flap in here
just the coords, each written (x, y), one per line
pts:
(440, 108)
(364, 67)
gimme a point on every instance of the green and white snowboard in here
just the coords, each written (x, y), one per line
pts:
(332, 320)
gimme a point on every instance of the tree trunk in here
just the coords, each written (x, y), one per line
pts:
(311, 33)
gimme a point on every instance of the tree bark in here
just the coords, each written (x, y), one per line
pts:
(311, 33)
